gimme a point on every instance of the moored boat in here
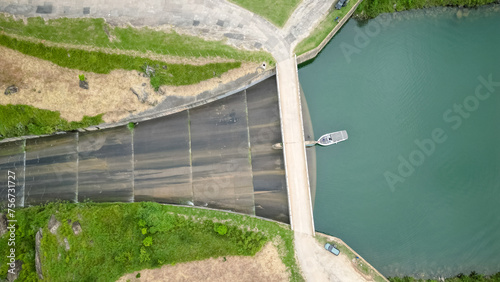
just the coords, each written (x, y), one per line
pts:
(332, 138)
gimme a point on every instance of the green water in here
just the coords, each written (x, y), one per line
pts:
(443, 217)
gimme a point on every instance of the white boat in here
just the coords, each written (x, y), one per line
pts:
(332, 138)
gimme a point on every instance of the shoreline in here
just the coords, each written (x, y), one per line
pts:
(463, 5)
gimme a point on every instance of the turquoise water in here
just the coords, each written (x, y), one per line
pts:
(427, 210)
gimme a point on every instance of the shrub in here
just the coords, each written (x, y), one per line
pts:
(144, 256)
(81, 77)
(220, 228)
(155, 219)
(148, 241)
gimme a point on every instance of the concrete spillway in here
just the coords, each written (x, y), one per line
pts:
(217, 155)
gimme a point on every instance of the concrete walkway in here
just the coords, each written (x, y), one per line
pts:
(292, 129)
(316, 263)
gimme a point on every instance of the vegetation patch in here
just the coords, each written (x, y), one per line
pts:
(277, 11)
(96, 32)
(323, 29)
(119, 238)
(100, 62)
(371, 8)
(20, 120)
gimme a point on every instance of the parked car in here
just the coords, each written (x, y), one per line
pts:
(332, 249)
(341, 3)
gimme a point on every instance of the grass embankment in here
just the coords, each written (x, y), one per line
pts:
(277, 11)
(121, 238)
(20, 120)
(360, 264)
(323, 29)
(100, 62)
(96, 32)
(372, 8)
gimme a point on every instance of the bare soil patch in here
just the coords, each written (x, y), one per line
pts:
(266, 265)
(45, 85)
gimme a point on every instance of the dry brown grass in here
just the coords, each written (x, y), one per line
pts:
(45, 85)
(266, 265)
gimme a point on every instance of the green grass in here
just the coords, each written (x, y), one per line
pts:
(360, 264)
(92, 32)
(119, 238)
(323, 29)
(276, 11)
(372, 8)
(20, 120)
(100, 62)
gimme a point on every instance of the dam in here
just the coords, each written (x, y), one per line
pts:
(218, 155)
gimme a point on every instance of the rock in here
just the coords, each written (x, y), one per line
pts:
(84, 84)
(3, 224)
(465, 12)
(77, 228)
(38, 261)
(459, 14)
(66, 243)
(13, 276)
(11, 90)
(53, 224)
(142, 97)
(161, 91)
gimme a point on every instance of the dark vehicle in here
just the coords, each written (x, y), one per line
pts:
(341, 3)
(332, 249)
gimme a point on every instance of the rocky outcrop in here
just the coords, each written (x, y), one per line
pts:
(11, 90)
(3, 224)
(77, 228)
(13, 276)
(84, 84)
(53, 224)
(140, 91)
(38, 261)
(66, 244)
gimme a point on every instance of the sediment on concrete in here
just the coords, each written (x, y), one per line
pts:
(311, 54)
